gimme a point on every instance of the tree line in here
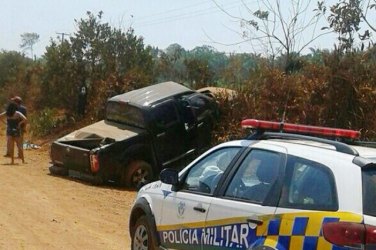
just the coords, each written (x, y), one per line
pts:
(333, 88)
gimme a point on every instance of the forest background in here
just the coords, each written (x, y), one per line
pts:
(332, 87)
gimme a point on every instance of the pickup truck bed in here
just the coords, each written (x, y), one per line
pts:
(74, 153)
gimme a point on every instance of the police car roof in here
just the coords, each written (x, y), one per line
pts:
(367, 152)
(302, 148)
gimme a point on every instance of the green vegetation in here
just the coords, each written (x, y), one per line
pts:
(329, 88)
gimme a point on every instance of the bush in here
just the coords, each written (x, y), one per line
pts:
(42, 122)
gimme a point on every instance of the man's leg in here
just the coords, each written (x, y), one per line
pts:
(11, 149)
(19, 142)
(7, 154)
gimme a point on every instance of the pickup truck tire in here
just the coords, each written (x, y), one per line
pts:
(136, 174)
(57, 170)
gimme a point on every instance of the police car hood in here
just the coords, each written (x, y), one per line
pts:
(156, 188)
(103, 129)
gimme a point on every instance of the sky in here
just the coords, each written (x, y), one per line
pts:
(161, 23)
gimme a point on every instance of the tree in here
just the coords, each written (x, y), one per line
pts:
(11, 64)
(106, 51)
(217, 61)
(107, 60)
(238, 68)
(15, 69)
(199, 73)
(59, 77)
(28, 41)
(280, 29)
(171, 65)
(175, 52)
(173, 61)
(346, 18)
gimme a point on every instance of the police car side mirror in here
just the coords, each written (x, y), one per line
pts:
(169, 176)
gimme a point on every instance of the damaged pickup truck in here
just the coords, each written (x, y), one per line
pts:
(144, 131)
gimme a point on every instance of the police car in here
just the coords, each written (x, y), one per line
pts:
(273, 190)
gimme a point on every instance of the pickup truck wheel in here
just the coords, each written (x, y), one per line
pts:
(56, 170)
(97, 180)
(137, 173)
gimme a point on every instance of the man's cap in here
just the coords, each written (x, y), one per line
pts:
(17, 99)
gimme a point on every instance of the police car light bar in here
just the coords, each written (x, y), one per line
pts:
(300, 129)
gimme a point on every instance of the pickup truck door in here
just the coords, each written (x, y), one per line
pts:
(202, 108)
(170, 134)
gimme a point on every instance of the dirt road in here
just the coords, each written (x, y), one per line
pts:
(40, 211)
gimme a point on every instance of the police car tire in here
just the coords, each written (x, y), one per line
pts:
(143, 235)
(134, 168)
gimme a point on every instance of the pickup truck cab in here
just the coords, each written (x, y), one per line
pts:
(144, 131)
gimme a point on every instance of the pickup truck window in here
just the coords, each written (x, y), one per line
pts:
(165, 114)
(200, 105)
(124, 113)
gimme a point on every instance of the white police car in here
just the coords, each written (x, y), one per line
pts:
(271, 191)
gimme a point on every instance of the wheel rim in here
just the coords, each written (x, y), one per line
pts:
(140, 176)
(141, 238)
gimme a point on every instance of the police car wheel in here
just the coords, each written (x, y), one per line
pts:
(142, 237)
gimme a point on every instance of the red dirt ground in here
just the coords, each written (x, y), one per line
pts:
(40, 211)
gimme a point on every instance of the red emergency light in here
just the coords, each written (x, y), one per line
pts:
(300, 129)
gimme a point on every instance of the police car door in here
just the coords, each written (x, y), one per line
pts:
(308, 200)
(184, 212)
(240, 216)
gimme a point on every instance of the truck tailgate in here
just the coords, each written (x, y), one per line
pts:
(71, 157)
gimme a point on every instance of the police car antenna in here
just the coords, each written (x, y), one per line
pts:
(284, 111)
(285, 108)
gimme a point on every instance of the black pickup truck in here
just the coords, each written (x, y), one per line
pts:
(144, 131)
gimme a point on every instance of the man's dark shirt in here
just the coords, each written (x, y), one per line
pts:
(22, 109)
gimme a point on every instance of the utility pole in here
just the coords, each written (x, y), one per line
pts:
(62, 35)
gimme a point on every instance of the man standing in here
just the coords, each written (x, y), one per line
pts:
(22, 109)
(82, 97)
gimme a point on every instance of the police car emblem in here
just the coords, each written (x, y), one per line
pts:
(181, 209)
